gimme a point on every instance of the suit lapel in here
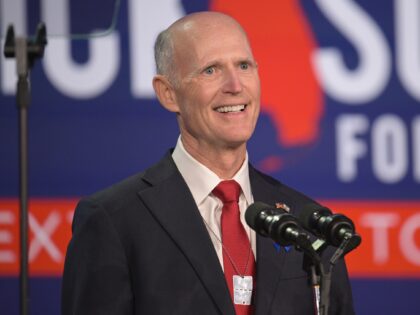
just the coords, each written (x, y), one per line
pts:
(171, 203)
(270, 261)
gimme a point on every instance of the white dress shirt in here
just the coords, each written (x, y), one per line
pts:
(201, 181)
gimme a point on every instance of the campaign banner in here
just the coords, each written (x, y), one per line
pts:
(340, 121)
(390, 233)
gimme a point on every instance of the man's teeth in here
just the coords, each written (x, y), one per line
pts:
(230, 109)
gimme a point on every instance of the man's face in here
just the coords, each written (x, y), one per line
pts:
(218, 90)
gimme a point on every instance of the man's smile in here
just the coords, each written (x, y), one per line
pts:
(231, 108)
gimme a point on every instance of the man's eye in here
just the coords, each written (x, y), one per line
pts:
(209, 70)
(244, 66)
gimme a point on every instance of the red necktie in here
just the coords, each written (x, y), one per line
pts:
(238, 258)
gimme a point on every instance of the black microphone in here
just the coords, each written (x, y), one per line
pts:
(334, 228)
(277, 224)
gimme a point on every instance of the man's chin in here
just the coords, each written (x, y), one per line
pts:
(236, 143)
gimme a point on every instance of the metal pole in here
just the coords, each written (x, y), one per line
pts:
(22, 100)
(24, 261)
(25, 51)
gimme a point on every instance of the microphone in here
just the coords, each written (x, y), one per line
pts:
(334, 228)
(277, 224)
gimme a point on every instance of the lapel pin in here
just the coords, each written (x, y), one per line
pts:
(283, 206)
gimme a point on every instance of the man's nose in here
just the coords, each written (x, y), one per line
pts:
(232, 82)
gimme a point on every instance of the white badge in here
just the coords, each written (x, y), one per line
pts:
(242, 290)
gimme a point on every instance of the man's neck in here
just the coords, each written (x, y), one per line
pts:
(224, 162)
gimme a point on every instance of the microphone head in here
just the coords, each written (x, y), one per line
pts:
(310, 213)
(275, 223)
(323, 223)
(252, 212)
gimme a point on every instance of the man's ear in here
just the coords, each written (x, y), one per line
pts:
(165, 93)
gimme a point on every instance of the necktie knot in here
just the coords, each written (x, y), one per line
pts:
(227, 191)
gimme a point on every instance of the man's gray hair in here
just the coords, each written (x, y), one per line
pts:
(164, 53)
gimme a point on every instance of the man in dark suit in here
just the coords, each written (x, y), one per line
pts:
(172, 240)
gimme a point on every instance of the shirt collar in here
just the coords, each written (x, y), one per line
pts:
(201, 180)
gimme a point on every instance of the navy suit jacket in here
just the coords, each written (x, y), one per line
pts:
(141, 247)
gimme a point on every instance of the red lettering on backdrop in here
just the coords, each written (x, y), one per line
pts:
(283, 45)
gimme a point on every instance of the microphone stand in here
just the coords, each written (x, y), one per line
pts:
(316, 270)
(25, 51)
(313, 265)
(350, 242)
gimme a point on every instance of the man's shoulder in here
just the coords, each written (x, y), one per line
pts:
(130, 186)
(120, 190)
(285, 192)
(120, 198)
(253, 172)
